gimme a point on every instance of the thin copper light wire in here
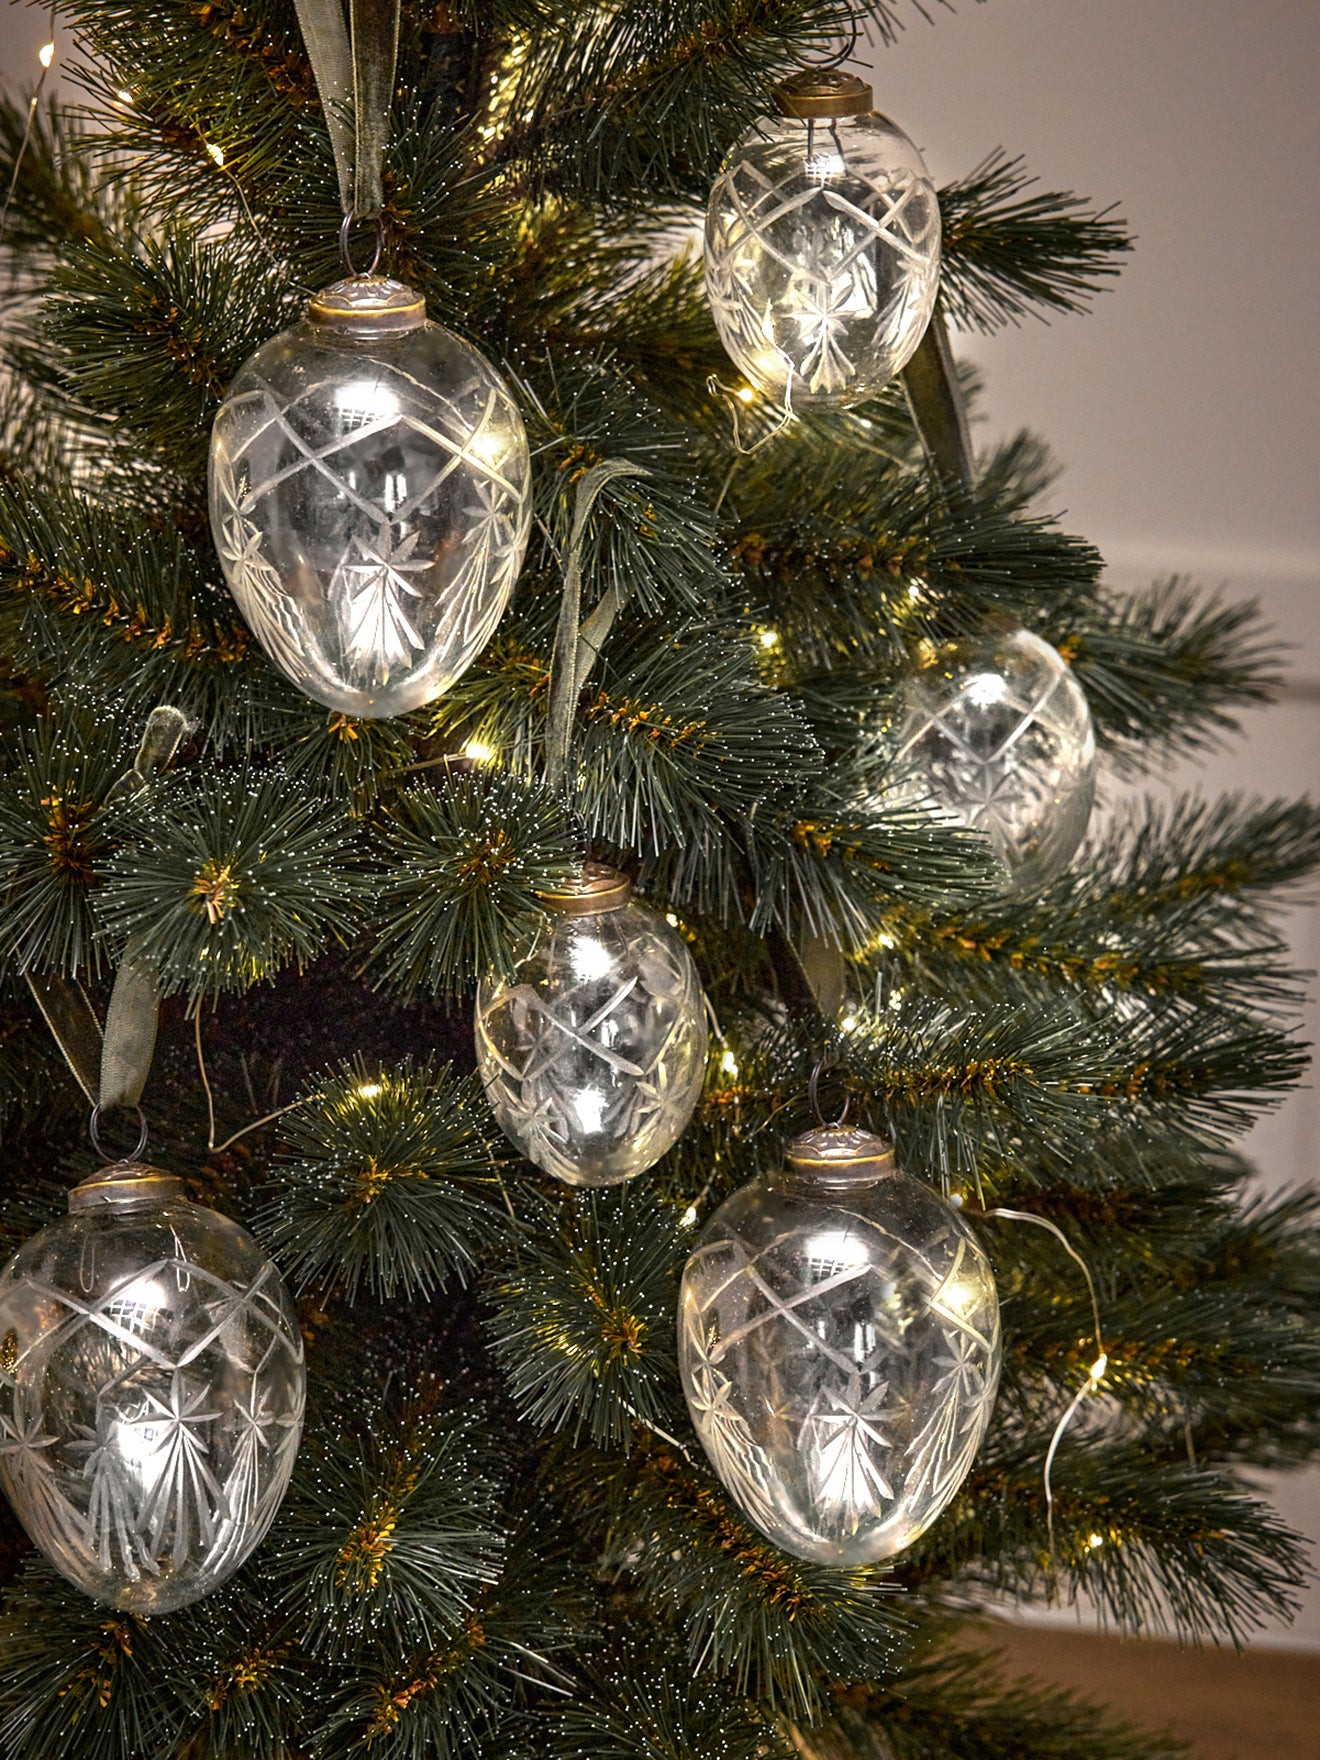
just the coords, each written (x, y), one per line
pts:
(27, 131)
(1098, 1367)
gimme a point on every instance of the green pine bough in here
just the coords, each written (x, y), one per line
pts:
(502, 1535)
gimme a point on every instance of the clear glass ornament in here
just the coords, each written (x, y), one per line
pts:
(593, 1055)
(822, 246)
(151, 1391)
(996, 732)
(839, 1349)
(370, 499)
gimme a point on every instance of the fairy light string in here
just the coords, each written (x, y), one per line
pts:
(45, 56)
(1096, 1373)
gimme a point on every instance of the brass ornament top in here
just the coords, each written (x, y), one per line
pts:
(835, 1152)
(596, 889)
(366, 307)
(824, 91)
(123, 1185)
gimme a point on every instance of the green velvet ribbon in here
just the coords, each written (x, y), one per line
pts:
(578, 645)
(112, 1067)
(354, 63)
(931, 384)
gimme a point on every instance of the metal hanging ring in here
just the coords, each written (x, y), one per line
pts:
(823, 1063)
(831, 61)
(346, 255)
(94, 1132)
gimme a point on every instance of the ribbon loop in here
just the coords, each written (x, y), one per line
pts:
(355, 79)
(130, 1035)
(578, 646)
(165, 730)
(325, 37)
(73, 1024)
(375, 53)
(930, 381)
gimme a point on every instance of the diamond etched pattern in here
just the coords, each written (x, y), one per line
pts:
(593, 1057)
(822, 256)
(370, 507)
(152, 1400)
(840, 1353)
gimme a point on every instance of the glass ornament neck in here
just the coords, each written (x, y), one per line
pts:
(366, 307)
(823, 91)
(124, 1185)
(836, 1158)
(598, 888)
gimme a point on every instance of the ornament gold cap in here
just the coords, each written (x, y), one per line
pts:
(833, 1152)
(367, 307)
(824, 91)
(122, 1185)
(596, 889)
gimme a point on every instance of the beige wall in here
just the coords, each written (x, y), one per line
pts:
(1185, 409)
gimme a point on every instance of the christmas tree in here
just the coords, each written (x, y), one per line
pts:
(767, 618)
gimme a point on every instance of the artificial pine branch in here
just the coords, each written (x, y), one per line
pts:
(56, 837)
(597, 112)
(632, 1706)
(952, 1703)
(57, 201)
(466, 857)
(215, 889)
(584, 1315)
(388, 1545)
(775, 1627)
(388, 1179)
(174, 313)
(1008, 252)
(1165, 669)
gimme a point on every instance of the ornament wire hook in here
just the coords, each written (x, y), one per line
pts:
(1098, 1368)
(831, 61)
(346, 254)
(823, 1063)
(94, 1132)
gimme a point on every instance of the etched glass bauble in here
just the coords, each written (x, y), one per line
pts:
(839, 1349)
(822, 246)
(995, 732)
(370, 499)
(151, 1391)
(593, 1054)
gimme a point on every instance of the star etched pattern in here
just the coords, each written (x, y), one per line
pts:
(840, 1377)
(821, 282)
(148, 1429)
(370, 526)
(268, 610)
(593, 1059)
(372, 590)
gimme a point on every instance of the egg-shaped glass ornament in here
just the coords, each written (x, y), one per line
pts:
(370, 499)
(151, 1391)
(839, 1349)
(822, 246)
(593, 1054)
(996, 733)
